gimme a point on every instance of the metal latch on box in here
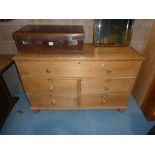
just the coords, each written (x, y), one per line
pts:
(72, 42)
(26, 41)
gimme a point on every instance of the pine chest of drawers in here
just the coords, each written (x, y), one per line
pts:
(100, 78)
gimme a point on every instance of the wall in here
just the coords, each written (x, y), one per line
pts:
(140, 31)
(7, 45)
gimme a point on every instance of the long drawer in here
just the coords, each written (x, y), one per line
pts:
(56, 86)
(111, 85)
(79, 68)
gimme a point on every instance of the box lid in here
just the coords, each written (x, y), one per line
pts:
(47, 31)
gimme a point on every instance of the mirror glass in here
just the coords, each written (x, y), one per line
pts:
(112, 32)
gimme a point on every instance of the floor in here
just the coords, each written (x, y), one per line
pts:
(22, 121)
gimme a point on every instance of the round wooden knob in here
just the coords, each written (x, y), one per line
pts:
(53, 101)
(109, 70)
(48, 70)
(103, 101)
(106, 88)
(51, 88)
(102, 66)
(104, 96)
(108, 80)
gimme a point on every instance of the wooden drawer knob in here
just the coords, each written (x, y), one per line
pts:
(102, 66)
(53, 101)
(109, 70)
(104, 96)
(51, 88)
(108, 80)
(48, 70)
(106, 87)
(103, 101)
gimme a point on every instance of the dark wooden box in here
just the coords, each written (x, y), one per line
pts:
(50, 38)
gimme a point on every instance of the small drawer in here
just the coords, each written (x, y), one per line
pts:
(56, 86)
(45, 99)
(111, 85)
(121, 68)
(104, 101)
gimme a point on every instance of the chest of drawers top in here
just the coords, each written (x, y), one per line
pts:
(90, 53)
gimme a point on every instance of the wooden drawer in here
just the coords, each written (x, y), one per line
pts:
(45, 99)
(121, 68)
(112, 86)
(79, 68)
(104, 101)
(55, 86)
(60, 68)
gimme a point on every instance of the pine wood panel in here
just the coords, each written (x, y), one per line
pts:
(56, 86)
(46, 99)
(105, 101)
(112, 85)
(79, 68)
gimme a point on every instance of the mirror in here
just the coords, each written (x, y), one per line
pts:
(112, 32)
